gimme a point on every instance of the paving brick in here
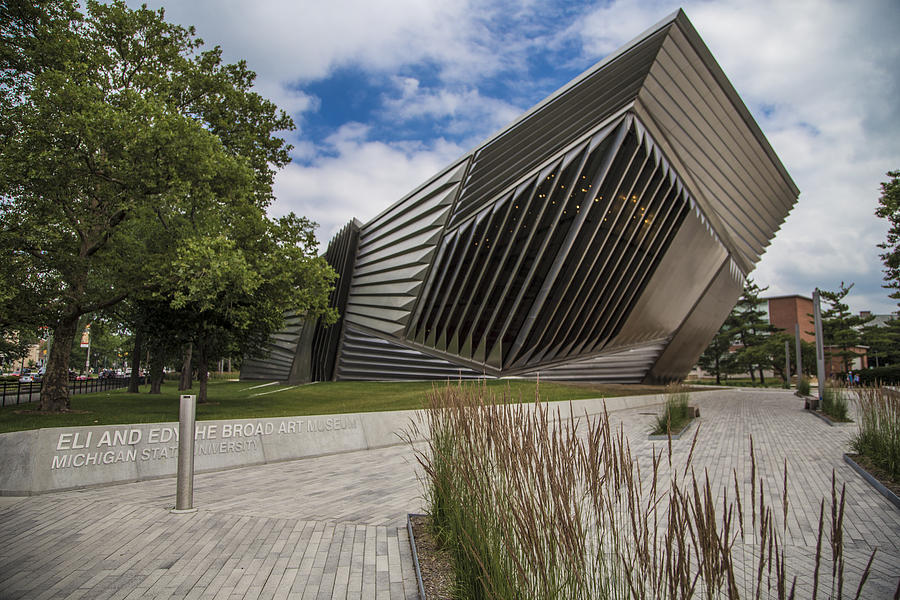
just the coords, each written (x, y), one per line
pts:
(335, 526)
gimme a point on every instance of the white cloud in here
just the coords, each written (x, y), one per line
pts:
(289, 41)
(353, 176)
(822, 79)
(465, 109)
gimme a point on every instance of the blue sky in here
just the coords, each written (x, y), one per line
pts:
(387, 93)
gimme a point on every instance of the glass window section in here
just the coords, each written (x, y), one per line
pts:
(578, 255)
(474, 261)
(520, 260)
(520, 226)
(549, 236)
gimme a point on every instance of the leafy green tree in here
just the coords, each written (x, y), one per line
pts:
(841, 328)
(237, 287)
(889, 208)
(21, 293)
(119, 138)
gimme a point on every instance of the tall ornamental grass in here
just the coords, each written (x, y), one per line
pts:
(675, 414)
(878, 438)
(533, 506)
(834, 402)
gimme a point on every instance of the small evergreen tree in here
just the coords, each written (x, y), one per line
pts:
(889, 208)
(718, 359)
(752, 328)
(883, 342)
(841, 328)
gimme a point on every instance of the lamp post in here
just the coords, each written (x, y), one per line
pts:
(820, 346)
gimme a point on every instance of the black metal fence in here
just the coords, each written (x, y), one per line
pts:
(14, 392)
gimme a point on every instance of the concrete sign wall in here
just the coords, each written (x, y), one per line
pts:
(72, 457)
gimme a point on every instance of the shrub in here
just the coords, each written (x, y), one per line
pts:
(528, 508)
(879, 375)
(878, 438)
(803, 386)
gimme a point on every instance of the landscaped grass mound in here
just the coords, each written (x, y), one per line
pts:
(250, 400)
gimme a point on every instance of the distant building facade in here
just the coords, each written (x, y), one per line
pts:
(604, 235)
(786, 312)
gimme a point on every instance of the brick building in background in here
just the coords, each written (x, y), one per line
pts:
(785, 312)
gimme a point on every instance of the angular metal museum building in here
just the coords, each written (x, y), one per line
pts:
(604, 235)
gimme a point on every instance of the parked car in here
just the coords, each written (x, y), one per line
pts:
(81, 378)
(27, 378)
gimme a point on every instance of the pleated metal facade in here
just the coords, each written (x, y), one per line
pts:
(604, 235)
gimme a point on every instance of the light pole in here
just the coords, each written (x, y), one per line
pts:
(820, 346)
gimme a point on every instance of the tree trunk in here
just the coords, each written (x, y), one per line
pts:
(135, 379)
(157, 365)
(762, 379)
(55, 389)
(186, 377)
(202, 370)
(718, 370)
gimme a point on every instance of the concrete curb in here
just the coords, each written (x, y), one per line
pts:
(891, 496)
(415, 553)
(65, 458)
(829, 421)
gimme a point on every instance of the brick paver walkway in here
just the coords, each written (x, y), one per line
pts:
(334, 527)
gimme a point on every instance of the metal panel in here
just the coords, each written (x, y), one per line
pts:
(573, 113)
(577, 244)
(701, 325)
(620, 366)
(707, 133)
(365, 356)
(341, 255)
(276, 361)
(682, 277)
(396, 250)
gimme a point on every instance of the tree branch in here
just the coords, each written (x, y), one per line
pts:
(112, 222)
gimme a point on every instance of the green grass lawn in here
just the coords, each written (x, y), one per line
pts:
(246, 400)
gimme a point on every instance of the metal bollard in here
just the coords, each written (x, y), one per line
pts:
(184, 497)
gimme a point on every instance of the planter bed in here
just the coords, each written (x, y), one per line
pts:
(873, 481)
(675, 436)
(434, 571)
(828, 419)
